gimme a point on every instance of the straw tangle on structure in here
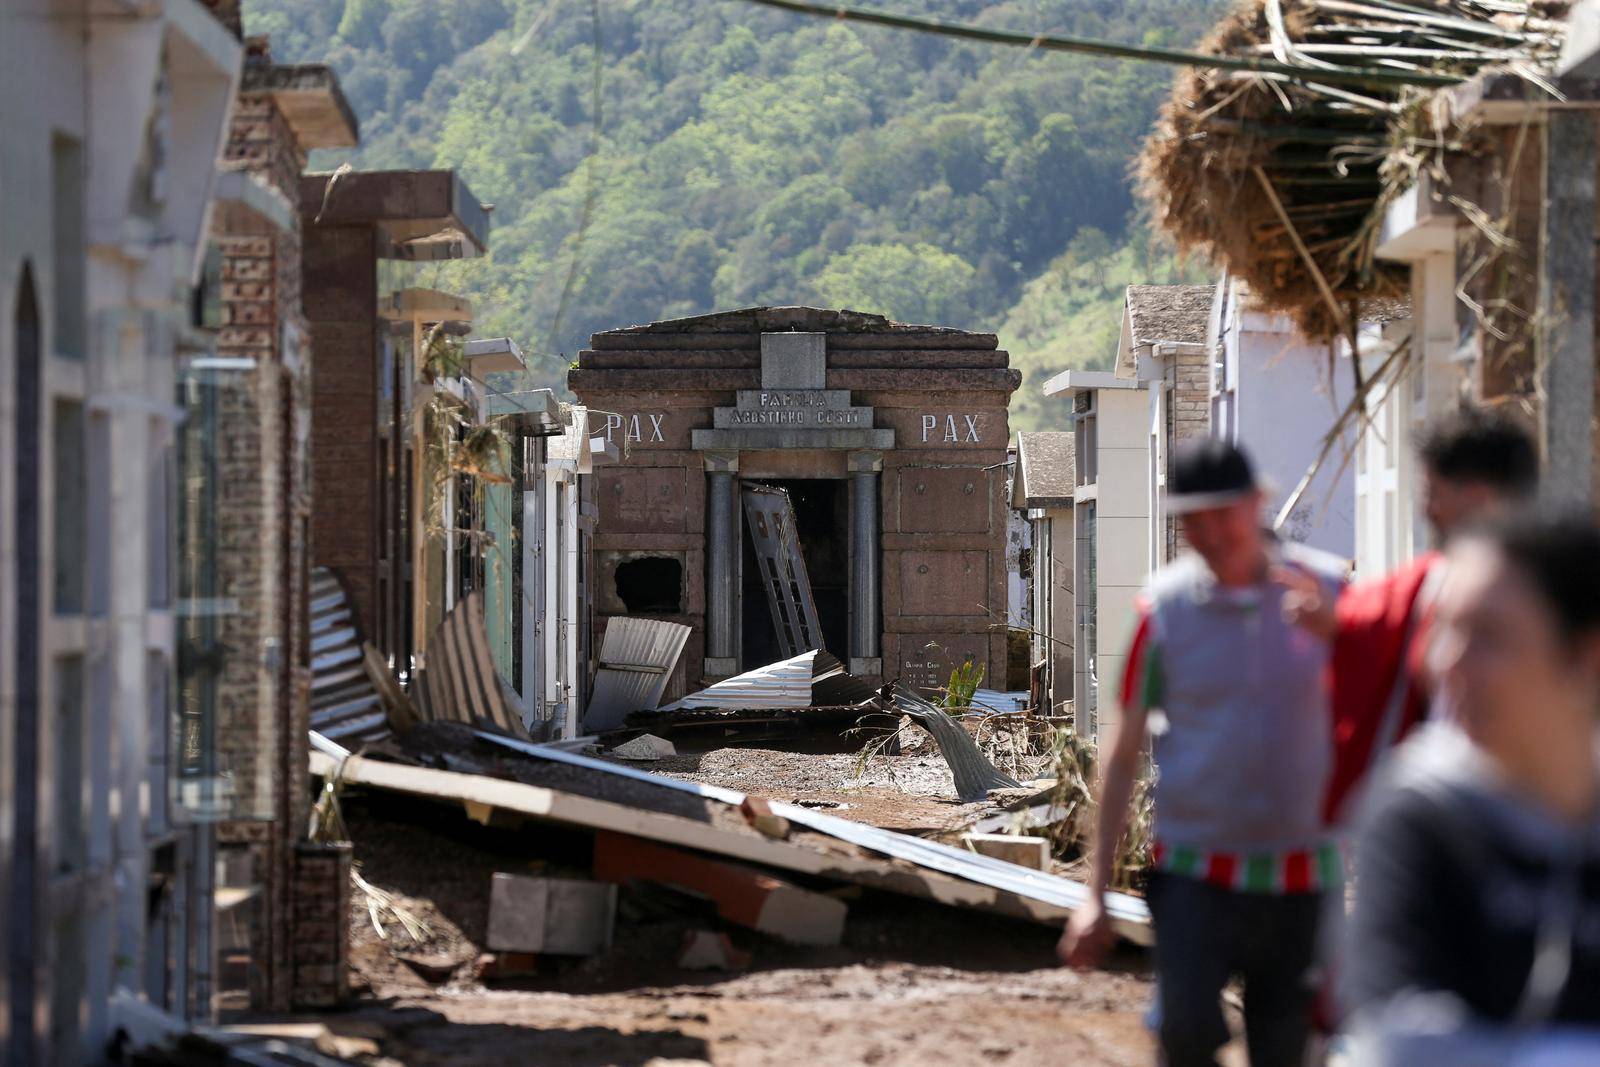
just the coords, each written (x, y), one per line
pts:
(1283, 180)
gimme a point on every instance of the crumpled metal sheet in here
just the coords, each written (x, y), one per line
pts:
(974, 773)
(812, 679)
(784, 684)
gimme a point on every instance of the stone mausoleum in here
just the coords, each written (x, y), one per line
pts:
(891, 443)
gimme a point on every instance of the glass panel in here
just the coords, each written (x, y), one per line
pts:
(220, 755)
(71, 507)
(196, 775)
(159, 687)
(208, 294)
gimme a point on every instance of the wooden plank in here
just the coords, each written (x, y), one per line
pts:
(460, 692)
(592, 814)
(402, 713)
(475, 639)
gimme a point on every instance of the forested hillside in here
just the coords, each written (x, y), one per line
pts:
(656, 158)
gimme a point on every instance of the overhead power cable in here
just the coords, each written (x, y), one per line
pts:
(1086, 46)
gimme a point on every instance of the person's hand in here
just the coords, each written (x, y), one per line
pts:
(1088, 935)
(1306, 603)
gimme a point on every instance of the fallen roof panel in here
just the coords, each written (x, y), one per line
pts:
(784, 684)
(811, 679)
(484, 793)
(1128, 913)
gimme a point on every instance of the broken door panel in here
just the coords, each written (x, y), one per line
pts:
(770, 516)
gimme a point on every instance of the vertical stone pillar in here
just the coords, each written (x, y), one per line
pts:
(1566, 317)
(866, 656)
(721, 658)
(320, 925)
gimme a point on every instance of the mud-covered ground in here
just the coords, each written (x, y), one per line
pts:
(879, 1012)
(912, 983)
(912, 792)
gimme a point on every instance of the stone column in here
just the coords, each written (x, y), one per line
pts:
(866, 657)
(1567, 307)
(721, 659)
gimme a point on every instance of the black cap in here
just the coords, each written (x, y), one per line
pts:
(1207, 472)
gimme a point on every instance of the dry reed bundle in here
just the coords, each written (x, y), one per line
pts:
(1283, 180)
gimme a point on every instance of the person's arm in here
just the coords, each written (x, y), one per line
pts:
(1307, 601)
(1088, 932)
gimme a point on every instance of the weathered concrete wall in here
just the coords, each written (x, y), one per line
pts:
(1189, 414)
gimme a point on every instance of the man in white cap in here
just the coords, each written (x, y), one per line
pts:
(1233, 695)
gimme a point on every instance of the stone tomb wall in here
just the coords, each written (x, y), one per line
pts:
(919, 412)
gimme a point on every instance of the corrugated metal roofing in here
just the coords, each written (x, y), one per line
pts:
(785, 684)
(345, 705)
(834, 687)
(812, 679)
(636, 659)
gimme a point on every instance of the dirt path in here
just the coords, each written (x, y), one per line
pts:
(879, 1014)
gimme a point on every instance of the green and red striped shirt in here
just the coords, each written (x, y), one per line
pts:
(1302, 871)
(1298, 871)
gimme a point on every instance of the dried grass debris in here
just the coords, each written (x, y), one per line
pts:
(1333, 156)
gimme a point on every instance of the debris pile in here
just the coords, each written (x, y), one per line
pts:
(571, 831)
(508, 859)
(1283, 181)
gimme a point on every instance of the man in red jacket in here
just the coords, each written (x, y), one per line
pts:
(1474, 465)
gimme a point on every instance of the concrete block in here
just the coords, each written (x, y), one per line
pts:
(866, 668)
(794, 361)
(705, 950)
(742, 894)
(555, 916)
(720, 667)
(1032, 852)
(645, 747)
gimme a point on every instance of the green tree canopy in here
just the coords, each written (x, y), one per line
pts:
(733, 155)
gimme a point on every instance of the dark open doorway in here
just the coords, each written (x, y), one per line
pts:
(822, 517)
